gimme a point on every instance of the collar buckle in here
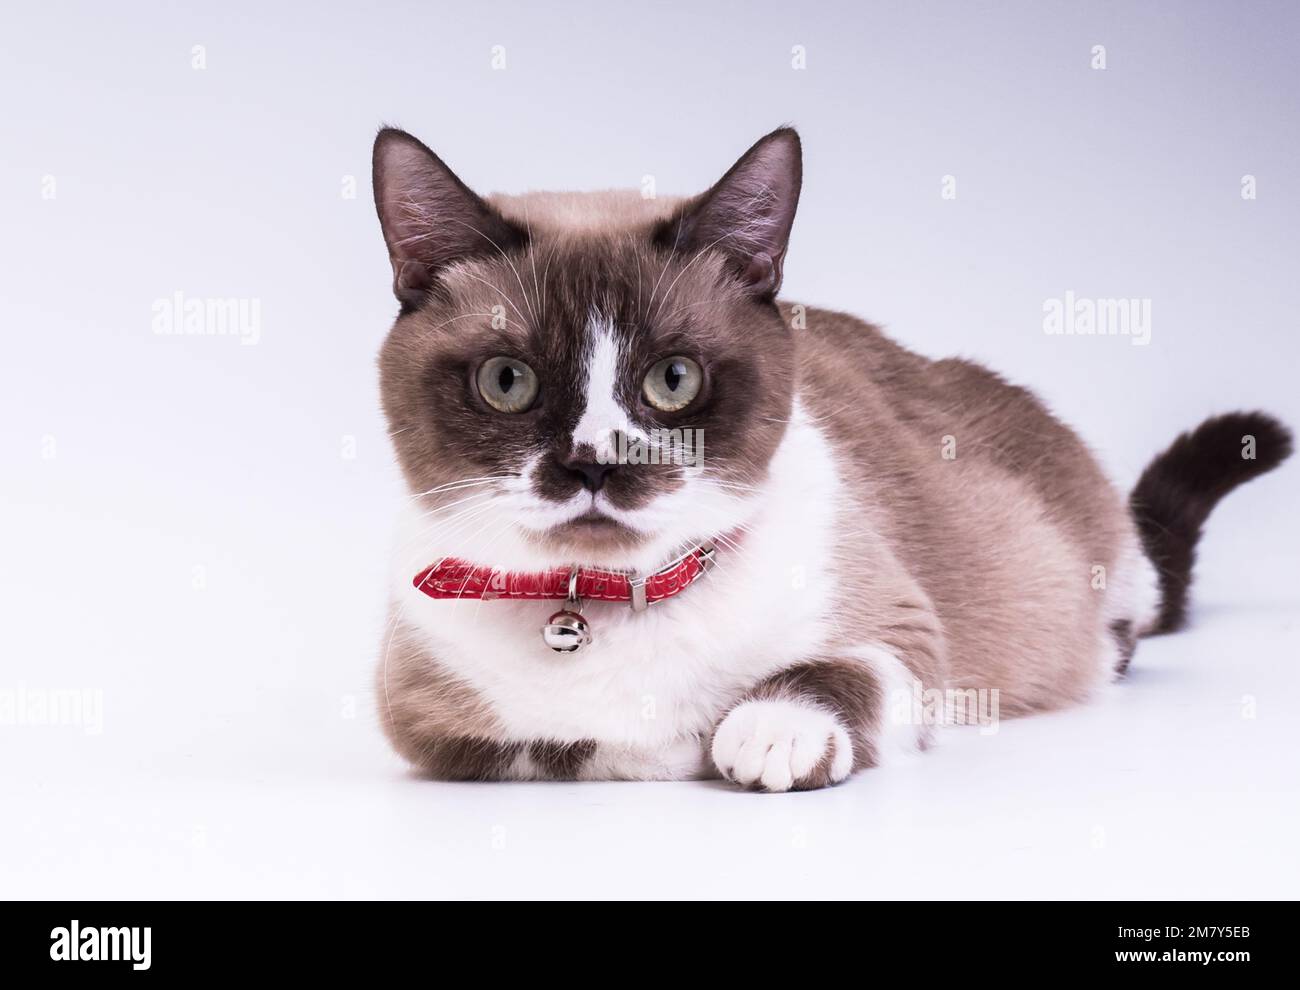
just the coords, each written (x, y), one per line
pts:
(705, 554)
(638, 598)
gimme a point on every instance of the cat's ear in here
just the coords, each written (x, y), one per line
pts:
(429, 217)
(747, 214)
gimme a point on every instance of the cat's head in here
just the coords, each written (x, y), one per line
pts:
(585, 378)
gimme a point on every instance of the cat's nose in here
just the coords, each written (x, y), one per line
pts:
(591, 474)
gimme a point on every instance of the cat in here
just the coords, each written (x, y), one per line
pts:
(864, 526)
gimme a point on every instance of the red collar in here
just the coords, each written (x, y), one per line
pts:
(452, 578)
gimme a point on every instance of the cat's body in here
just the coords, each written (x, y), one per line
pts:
(886, 526)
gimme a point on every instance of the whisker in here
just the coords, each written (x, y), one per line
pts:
(532, 257)
(671, 254)
(496, 288)
(700, 253)
(492, 540)
(546, 270)
(429, 514)
(446, 528)
(501, 252)
(486, 479)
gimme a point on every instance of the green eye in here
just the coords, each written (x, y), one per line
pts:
(673, 384)
(507, 385)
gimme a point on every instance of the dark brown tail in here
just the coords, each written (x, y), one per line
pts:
(1179, 488)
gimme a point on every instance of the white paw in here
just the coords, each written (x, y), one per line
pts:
(778, 745)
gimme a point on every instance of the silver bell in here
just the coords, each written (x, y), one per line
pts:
(566, 632)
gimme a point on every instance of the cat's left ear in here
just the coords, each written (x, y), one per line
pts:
(429, 217)
(747, 214)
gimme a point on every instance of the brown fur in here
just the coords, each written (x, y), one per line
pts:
(843, 687)
(438, 724)
(974, 570)
(1180, 488)
(443, 729)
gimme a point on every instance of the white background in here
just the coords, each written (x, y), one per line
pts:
(182, 532)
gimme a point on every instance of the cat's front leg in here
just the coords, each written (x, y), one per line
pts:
(808, 726)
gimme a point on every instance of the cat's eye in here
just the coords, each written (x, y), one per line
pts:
(507, 385)
(673, 384)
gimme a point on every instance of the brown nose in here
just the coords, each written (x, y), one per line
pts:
(591, 474)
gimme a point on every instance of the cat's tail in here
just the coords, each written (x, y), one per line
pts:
(1178, 489)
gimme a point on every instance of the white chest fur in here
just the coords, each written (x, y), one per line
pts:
(652, 677)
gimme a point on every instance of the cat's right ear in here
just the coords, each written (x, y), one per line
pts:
(747, 215)
(429, 217)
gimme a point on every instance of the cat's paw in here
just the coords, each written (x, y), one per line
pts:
(781, 745)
